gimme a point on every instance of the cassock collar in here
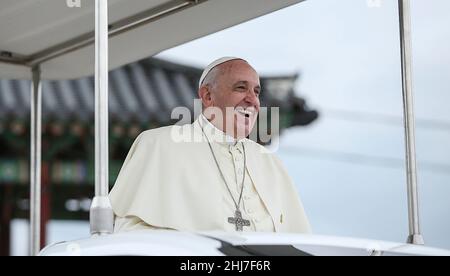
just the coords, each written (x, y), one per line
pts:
(216, 135)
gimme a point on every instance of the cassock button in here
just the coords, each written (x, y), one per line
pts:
(250, 211)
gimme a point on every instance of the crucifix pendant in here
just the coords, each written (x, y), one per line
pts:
(238, 221)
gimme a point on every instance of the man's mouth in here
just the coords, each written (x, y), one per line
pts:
(245, 112)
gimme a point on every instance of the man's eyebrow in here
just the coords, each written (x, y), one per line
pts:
(246, 83)
(241, 82)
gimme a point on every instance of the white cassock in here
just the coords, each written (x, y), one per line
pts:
(168, 183)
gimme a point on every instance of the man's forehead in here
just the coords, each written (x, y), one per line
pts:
(236, 66)
(228, 66)
(213, 66)
(240, 72)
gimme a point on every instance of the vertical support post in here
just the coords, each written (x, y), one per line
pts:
(46, 202)
(101, 214)
(35, 162)
(415, 236)
(5, 218)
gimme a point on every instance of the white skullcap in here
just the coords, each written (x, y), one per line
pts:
(212, 65)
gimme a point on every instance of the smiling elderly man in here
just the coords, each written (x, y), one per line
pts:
(222, 181)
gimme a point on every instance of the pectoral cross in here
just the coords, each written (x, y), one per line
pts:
(238, 221)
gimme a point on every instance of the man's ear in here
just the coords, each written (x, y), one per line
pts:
(205, 95)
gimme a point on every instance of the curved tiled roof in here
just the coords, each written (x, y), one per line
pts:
(143, 91)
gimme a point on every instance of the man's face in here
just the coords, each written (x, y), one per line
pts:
(236, 94)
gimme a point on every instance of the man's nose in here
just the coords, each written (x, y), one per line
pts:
(251, 96)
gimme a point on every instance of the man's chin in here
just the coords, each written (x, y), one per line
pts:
(243, 131)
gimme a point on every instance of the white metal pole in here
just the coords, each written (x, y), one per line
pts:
(101, 214)
(415, 236)
(35, 162)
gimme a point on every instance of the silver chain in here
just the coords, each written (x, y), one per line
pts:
(237, 204)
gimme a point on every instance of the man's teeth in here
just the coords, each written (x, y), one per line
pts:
(245, 112)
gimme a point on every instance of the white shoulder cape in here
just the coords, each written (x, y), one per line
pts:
(173, 184)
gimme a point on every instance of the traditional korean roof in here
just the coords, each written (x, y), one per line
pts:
(144, 91)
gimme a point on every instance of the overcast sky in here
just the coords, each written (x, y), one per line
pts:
(349, 165)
